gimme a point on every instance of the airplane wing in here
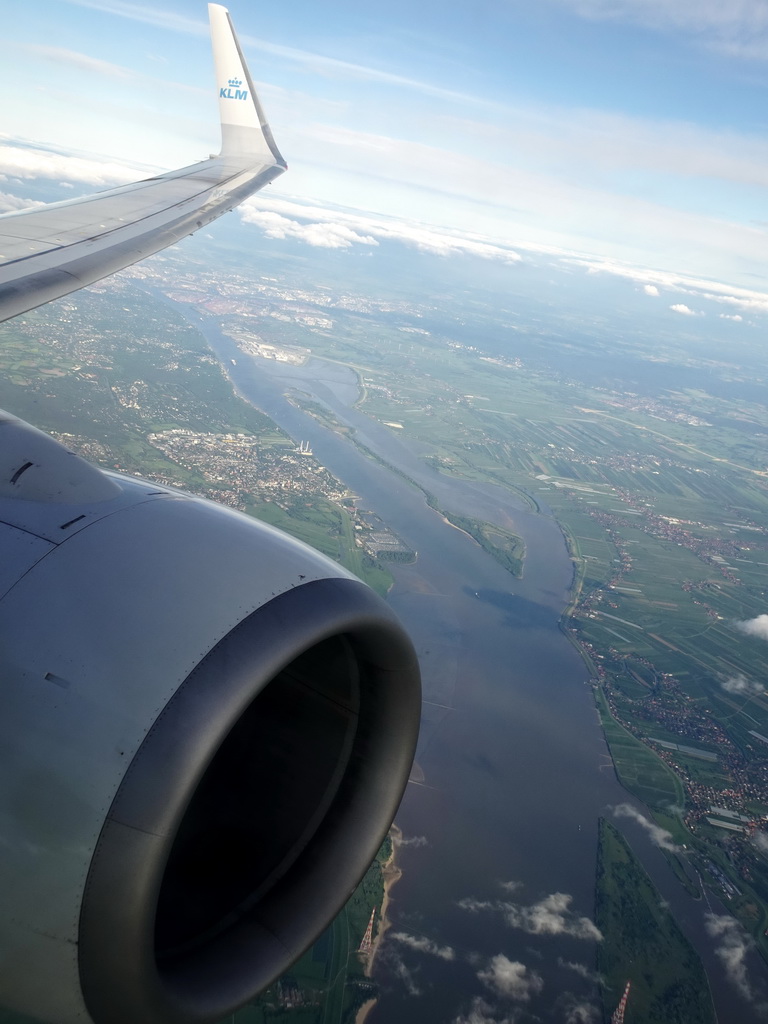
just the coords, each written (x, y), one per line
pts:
(56, 249)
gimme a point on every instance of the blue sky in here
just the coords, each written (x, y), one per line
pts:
(632, 132)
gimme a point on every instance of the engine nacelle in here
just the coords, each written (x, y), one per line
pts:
(205, 732)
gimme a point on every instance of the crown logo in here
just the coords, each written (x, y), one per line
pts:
(235, 83)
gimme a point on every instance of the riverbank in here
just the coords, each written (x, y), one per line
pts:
(390, 873)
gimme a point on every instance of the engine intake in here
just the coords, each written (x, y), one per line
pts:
(206, 728)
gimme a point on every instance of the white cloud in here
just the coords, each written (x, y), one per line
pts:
(550, 916)
(755, 627)
(732, 949)
(424, 945)
(417, 841)
(728, 294)
(38, 163)
(680, 307)
(10, 202)
(322, 235)
(511, 979)
(728, 316)
(651, 289)
(760, 839)
(657, 835)
(334, 228)
(740, 684)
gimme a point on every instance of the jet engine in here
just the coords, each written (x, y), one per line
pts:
(205, 732)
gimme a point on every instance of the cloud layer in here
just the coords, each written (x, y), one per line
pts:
(340, 229)
(29, 163)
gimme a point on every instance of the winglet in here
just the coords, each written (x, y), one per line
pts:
(244, 127)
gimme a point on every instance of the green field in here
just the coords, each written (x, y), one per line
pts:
(640, 771)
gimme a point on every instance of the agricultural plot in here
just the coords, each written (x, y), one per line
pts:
(641, 771)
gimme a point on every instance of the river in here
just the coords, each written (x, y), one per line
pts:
(513, 767)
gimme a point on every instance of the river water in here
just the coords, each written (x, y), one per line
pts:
(513, 770)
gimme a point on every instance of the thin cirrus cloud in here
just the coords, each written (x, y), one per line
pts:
(72, 58)
(723, 24)
(104, 68)
(315, 61)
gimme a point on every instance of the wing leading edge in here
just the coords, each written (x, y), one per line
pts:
(53, 250)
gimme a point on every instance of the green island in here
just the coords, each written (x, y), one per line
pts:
(506, 547)
(643, 945)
